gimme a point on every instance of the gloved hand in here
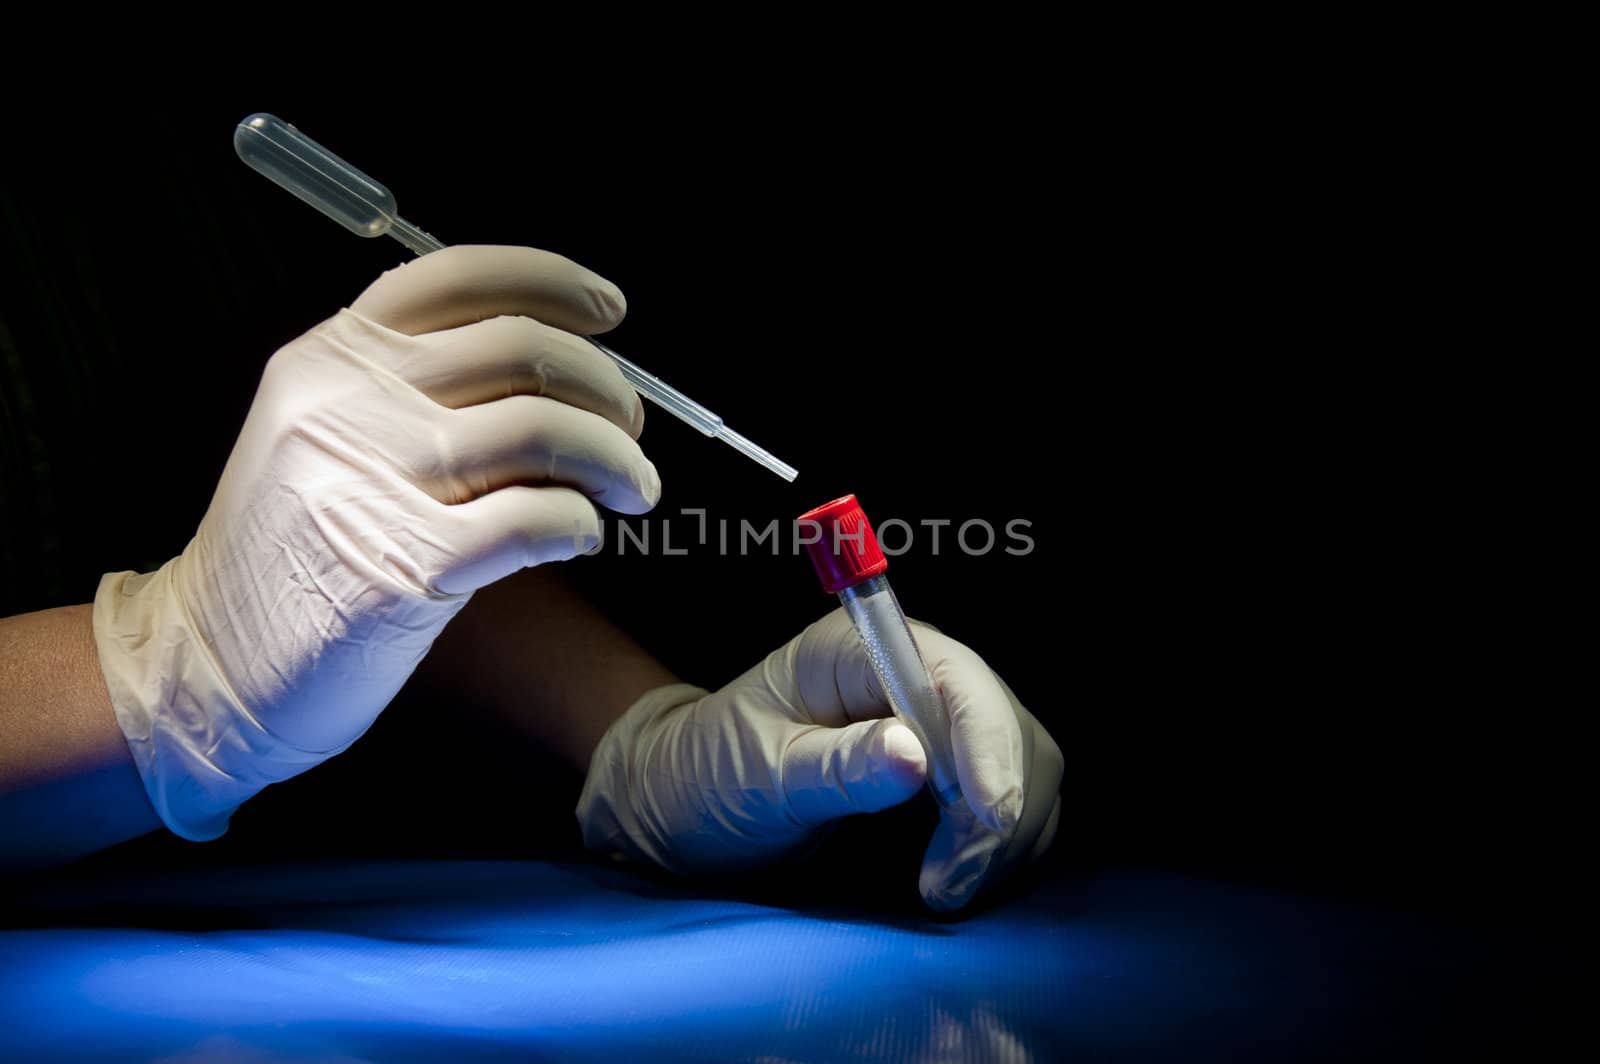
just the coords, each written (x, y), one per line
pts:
(444, 431)
(700, 782)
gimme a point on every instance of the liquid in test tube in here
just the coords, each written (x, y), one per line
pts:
(850, 564)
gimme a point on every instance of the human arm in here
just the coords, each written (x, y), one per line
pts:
(446, 430)
(534, 652)
(697, 782)
(528, 647)
(68, 785)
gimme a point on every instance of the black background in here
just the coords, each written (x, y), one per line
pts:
(1181, 350)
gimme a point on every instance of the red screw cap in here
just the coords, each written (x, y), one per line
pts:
(841, 544)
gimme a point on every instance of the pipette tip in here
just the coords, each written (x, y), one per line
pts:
(757, 454)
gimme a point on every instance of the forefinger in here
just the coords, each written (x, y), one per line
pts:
(467, 283)
(984, 731)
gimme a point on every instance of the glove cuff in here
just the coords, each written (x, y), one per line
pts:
(611, 820)
(199, 751)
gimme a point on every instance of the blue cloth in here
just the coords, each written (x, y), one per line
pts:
(468, 961)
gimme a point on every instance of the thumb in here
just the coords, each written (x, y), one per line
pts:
(862, 768)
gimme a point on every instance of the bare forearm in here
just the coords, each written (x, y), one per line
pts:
(531, 649)
(68, 785)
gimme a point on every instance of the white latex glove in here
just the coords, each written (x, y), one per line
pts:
(444, 431)
(700, 782)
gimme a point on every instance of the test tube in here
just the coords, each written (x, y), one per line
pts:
(850, 564)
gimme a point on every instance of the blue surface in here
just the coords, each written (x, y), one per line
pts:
(527, 960)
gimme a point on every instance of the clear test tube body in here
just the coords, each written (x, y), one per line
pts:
(905, 679)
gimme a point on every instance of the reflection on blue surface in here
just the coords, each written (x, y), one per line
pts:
(475, 961)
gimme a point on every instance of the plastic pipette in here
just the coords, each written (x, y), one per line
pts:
(299, 164)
